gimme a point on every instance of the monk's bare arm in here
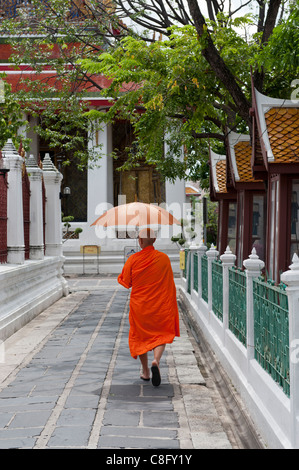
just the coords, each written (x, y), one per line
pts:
(125, 278)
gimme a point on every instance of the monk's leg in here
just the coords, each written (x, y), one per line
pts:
(158, 351)
(156, 377)
(145, 370)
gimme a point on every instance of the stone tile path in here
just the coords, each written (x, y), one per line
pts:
(68, 381)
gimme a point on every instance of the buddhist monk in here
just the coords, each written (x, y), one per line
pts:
(153, 316)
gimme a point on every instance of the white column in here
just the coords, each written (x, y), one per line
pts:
(212, 254)
(175, 194)
(291, 279)
(36, 209)
(253, 267)
(228, 260)
(100, 178)
(32, 135)
(15, 221)
(52, 178)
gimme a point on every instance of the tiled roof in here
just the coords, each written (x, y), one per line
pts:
(283, 131)
(243, 158)
(221, 176)
(190, 190)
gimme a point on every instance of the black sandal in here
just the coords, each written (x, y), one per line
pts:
(143, 378)
(156, 377)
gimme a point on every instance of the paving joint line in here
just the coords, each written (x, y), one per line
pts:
(98, 421)
(37, 348)
(184, 433)
(49, 428)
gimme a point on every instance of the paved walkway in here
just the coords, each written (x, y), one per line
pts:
(67, 380)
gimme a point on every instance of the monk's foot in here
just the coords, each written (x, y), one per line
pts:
(145, 375)
(156, 377)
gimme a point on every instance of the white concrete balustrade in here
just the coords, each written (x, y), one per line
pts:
(274, 412)
(27, 287)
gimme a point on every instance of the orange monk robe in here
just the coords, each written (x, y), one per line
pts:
(154, 316)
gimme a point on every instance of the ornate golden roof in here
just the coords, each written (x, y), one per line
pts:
(243, 160)
(283, 132)
(221, 175)
(189, 190)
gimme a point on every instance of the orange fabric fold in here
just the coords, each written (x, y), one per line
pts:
(153, 316)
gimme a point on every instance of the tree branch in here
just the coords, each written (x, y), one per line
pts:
(258, 77)
(217, 64)
(208, 135)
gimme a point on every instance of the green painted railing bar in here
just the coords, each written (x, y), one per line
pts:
(195, 272)
(185, 269)
(204, 277)
(188, 266)
(217, 289)
(271, 331)
(237, 304)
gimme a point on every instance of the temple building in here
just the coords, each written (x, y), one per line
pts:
(257, 186)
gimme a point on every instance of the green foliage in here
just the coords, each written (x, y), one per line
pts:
(280, 56)
(167, 89)
(11, 119)
(170, 94)
(212, 225)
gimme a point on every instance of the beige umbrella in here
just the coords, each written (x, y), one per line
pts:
(136, 214)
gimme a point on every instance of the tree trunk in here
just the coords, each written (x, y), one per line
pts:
(218, 66)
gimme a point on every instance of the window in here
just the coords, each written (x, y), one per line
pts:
(274, 202)
(240, 229)
(259, 225)
(232, 226)
(294, 219)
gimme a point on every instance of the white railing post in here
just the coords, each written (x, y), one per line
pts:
(52, 178)
(212, 254)
(36, 209)
(15, 225)
(253, 266)
(291, 279)
(228, 260)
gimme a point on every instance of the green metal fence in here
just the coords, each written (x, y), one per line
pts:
(217, 289)
(237, 304)
(271, 331)
(204, 277)
(270, 313)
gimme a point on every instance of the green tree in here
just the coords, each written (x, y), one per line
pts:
(11, 118)
(280, 56)
(191, 88)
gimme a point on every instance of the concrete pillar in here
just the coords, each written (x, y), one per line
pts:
(228, 260)
(175, 194)
(100, 178)
(36, 209)
(52, 179)
(15, 220)
(291, 279)
(253, 267)
(32, 135)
